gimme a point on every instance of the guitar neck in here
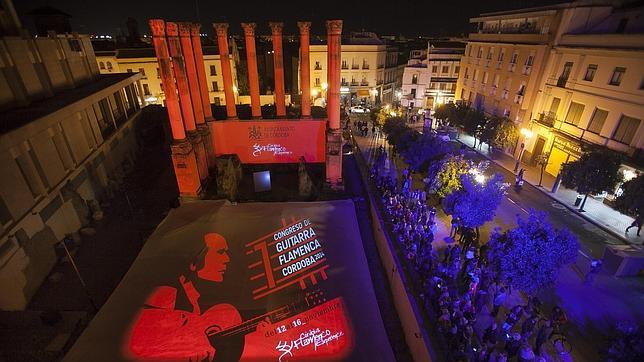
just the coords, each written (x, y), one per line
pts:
(251, 324)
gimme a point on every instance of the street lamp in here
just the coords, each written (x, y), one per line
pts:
(526, 133)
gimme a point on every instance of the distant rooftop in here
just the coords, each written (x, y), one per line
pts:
(126, 53)
(19, 117)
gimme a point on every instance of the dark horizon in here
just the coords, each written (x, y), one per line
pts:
(410, 18)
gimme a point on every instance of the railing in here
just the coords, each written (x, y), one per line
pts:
(518, 98)
(505, 94)
(317, 67)
(364, 83)
(354, 83)
(547, 118)
(344, 66)
(344, 84)
(561, 82)
(365, 66)
(499, 64)
(355, 66)
(493, 90)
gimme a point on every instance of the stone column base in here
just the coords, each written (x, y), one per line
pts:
(186, 170)
(206, 136)
(200, 153)
(334, 160)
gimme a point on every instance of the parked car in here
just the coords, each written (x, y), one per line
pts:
(359, 109)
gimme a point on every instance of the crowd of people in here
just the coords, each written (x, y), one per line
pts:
(460, 286)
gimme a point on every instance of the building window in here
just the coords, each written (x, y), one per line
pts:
(501, 55)
(462, 93)
(529, 60)
(476, 75)
(344, 64)
(365, 65)
(515, 57)
(434, 68)
(597, 121)
(445, 68)
(213, 70)
(490, 52)
(590, 72)
(217, 101)
(129, 70)
(75, 45)
(618, 73)
(158, 74)
(413, 92)
(495, 83)
(414, 79)
(565, 73)
(484, 81)
(317, 66)
(101, 65)
(480, 53)
(317, 82)
(146, 89)
(109, 66)
(521, 90)
(574, 113)
(142, 71)
(466, 76)
(626, 129)
(215, 86)
(469, 50)
(458, 69)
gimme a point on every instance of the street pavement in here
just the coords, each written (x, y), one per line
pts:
(594, 309)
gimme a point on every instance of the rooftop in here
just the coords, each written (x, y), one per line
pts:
(18, 117)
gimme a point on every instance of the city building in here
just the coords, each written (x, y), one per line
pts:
(144, 61)
(430, 76)
(504, 60)
(66, 132)
(592, 91)
(368, 70)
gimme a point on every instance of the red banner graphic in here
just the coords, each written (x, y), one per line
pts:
(277, 141)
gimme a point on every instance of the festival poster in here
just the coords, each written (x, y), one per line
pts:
(273, 141)
(251, 282)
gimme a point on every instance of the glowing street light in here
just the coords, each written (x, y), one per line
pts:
(314, 92)
(480, 178)
(387, 106)
(325, 86)
(526, 133)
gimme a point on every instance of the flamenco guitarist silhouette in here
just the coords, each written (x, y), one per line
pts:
(189, 322)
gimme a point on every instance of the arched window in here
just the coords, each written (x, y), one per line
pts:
(109, 65)
(101, 65)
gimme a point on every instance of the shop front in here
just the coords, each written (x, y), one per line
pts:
(563, 150)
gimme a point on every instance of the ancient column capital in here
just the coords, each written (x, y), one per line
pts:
(276, 27)
(334, 27)
(305, 27)
(249, 28)
(194, 29)
(221, 29)
(171, 29)
(157, 26)
(184, 29)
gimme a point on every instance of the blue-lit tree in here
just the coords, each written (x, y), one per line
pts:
(529, 256)
(426, 149)
(476, 202)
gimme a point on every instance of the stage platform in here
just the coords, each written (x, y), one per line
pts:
(250, 281)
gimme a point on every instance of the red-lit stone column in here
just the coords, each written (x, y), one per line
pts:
(226, 72)
(183, 156)
(181, 76)
(167, 79)
(334, 136)
(253, 77)
(278, 68)
(195, 98)
(203, 129)
(305, 68)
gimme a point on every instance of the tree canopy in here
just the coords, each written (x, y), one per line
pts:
(444, 176)
(529, 256)
(426, 149)
(631, 201)
(595, 171)
(499, 132)
(476, 202)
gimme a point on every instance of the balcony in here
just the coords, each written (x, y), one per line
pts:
(365, 66)
(344, 66)
(364, 83)
(464, 81)
(526, 69)
(344, 84)
(482, 87)
(547, 118)
(379, 82)
(487, 63)
(354, 84)
(318, 67)
(355, 66)
(509, 38)
(561, 82)
(518, 98)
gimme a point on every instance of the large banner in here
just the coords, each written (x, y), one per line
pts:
(252, 282)
(275, 141)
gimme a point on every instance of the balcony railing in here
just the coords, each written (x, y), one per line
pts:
(365, 66)
(344, 84)
(505, 94)
(493, 90)
(547, 118)
(526, 69)
(364, 83)
(355, 66)
(518, 98)
(317, 67)
(354, 83)
(561, 82)
(345, 66)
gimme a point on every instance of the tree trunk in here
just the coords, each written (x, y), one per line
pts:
(581, 208)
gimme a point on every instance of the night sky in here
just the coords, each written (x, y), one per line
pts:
(399, 17)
